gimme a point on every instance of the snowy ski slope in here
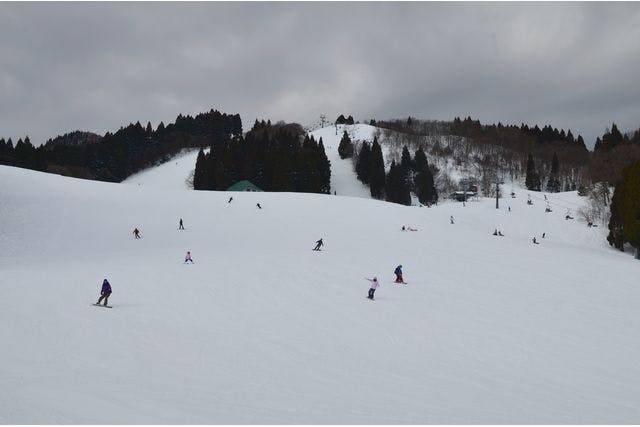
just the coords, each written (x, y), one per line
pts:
(264, 330)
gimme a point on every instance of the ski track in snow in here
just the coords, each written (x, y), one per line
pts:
(261, 329)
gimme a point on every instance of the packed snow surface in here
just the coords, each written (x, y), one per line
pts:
(261, 329)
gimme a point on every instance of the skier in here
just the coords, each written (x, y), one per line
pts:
(104, 293)
(500, 233)
(136, 233)
(403, 228)
(451, 219)
(230, 199)
(373, 287)
(544, 234)
(188, 258)
(398, 273)
(258, 205)
(535, 242)
(181, 226)
(318, 245)
(509, 208)
(495, 233)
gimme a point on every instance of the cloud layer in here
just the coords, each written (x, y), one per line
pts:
(97, 66)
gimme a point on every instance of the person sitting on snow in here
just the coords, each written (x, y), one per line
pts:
(398, 273)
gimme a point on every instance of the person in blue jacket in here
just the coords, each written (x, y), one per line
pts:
(105, 292)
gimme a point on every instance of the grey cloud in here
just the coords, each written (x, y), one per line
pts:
(97, 66)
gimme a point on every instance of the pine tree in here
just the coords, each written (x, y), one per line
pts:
(201, 171)
(377, 174)
(363, 165)
(553, 184)
(397, 190)
(616, 232)
(631, 206)
(423, 180)
(532, 180)
(345, 149)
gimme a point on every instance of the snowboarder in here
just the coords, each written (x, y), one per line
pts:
(230, 199)
(318, 245)
(258, 205)
(188, 258)
(181, 226)
(373, 287)
(451, 219)
(398, 273)
(104, 293)
(136, 233)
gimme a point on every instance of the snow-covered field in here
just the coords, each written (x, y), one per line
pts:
(261, 329)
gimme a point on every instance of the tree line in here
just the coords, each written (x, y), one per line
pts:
(115, 156)
(279, 157)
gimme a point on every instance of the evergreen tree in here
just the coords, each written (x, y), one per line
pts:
(363, 165)
(200, 172)
(377, 174)
(341, 120)
(631, 206)
(406, 165)
(553, 184)
(345, 149)
(616, 230)
(405, 161)
(423, 180)
(532, 180)
(397, 190)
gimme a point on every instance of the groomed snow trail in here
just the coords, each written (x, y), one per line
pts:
(261, 329)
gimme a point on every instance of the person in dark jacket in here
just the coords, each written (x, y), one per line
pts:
(398, 273)
(136, 233)
(104, 293)
(318, 245)
(181, 226)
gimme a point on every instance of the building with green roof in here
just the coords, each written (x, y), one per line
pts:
(244, 186)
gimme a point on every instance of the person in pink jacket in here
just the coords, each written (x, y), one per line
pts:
(374, 286)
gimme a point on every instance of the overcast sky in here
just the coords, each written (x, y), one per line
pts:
(97, 66)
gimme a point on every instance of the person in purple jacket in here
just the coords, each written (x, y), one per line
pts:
(105, 292)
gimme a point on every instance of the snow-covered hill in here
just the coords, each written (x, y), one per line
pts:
(176, 174)
(264, 330)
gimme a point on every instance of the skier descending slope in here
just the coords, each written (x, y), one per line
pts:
(180, 225)
(373, 287)
(136, 233)
(318, 245)
(104, 293)
(188, 258)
